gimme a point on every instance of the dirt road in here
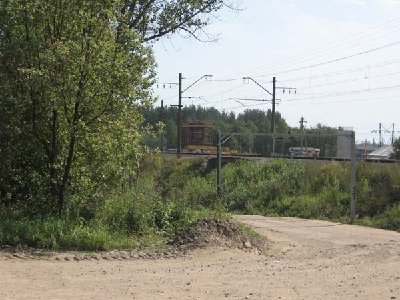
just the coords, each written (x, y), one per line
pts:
(306, 260)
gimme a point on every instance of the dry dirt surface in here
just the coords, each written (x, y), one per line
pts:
(303, 259)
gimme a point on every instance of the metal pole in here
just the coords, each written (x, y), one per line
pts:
(392, 134)
(353, 203)
(273, 115)
(219, 154)
(162, 133)
(302, 133)
(179, 133)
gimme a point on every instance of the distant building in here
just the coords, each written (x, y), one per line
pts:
(363, 149)
(344, 143)
(383, 152)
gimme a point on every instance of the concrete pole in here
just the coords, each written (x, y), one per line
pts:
(353, 203)
(219, 169)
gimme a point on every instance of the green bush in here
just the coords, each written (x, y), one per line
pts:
(296, 206)
(176, 175)
(378, 188)
(251, 186)
(170, 195)
(128, 213)
(168, 217)
(322, 175)
(201, 191)
(57, 234)
(390, 219)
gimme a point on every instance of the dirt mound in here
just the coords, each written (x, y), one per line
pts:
(212, 232)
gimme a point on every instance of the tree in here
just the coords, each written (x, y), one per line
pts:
(73, 76)
(396, 149)
(155, 19)
(77, 82)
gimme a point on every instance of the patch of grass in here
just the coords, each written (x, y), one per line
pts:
(56, 234)
(249, 231)
(169, 197)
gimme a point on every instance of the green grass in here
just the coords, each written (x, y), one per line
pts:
(248, 231)
(171, 196)
(55, 234)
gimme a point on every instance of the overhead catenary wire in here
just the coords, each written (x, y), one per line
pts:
(319, 78)
(332, 51)
(302, 78)
(349, 80)
(345, 71)
(392, 44)
(316, 76)
(379, 89)
(347, 100)
(311, 52)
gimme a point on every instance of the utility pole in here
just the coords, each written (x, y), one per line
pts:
(302, 121)
(179, 136)
(273, 114)
(162, 133)
(219, 167)
(273, 108)
(392, 134)
(273, 94)
(353, 182)
(274, 88)
(379, 131)
(179, 119)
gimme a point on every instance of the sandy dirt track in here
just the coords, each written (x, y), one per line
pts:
(306, 260)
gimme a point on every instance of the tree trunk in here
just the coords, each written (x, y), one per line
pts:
(71, 148)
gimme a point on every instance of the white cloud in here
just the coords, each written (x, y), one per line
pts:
(354, 2)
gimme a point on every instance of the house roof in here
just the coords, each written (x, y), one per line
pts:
(382, 152)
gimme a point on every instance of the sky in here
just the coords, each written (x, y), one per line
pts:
(341, 57)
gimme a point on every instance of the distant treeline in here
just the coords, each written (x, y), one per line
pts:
(249, 121)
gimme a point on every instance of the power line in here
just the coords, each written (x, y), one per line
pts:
(336, 59)
(347, 93)
(349, 100)
(350, 80)
(346, 71)
(313, 56)
(317, 76)
(311, 52)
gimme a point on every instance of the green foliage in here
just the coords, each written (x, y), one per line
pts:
(396, 149)
(73, 79)
(156, 19)
(378, 188)
(296, 188)
(200, 191)
(322, 175)
(250, 121)
(248, 186)
(390, 219)
(175, 176)
(72, 84)
(169, 195)
(142, 211)
(303, 206)
(56, 234)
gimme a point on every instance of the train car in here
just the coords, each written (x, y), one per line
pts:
(305, 152)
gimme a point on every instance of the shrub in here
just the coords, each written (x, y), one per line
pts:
(250, 186)
(128, 213)
(390, 219)
(378, 188)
